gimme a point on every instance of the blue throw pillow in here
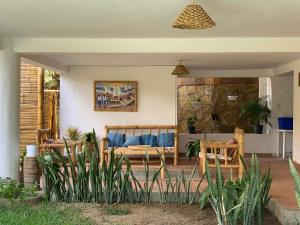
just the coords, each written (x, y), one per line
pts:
(149, 139)
(134, 140)
(166, 140)
(115, 139)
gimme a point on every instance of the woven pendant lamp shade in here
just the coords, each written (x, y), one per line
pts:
(180, 70)
(193, 17)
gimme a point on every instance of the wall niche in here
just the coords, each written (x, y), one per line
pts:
(207, 99)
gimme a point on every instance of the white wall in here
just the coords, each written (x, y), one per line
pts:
(156, 97)
(294, 67)
(282, 96)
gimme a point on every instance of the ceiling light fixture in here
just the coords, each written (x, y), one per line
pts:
(193, 17)
(180, 69)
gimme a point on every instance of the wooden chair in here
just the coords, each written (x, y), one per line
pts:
(44, 142)
(227, 153)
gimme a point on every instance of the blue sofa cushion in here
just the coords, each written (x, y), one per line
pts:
(166, 140)
(134, 140)
(115, 139)
(149, 139)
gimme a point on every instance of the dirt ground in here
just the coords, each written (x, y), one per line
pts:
(155, 214)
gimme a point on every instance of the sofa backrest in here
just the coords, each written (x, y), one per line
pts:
(135, 130)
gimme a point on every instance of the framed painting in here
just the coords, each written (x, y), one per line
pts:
(115, 96)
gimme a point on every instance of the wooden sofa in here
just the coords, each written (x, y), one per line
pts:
(135, 130)
(227, 153)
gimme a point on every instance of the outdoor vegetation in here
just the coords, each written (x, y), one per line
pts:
(42, 214)
(234, 202)
(242, 201)
(297, 184)
(109, 183)
(12, 189)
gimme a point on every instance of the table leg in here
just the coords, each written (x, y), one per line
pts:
(283, 144)
(278, 143)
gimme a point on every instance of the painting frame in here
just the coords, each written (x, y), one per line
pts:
(120, 96)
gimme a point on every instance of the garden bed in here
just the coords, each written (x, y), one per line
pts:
(154, 214)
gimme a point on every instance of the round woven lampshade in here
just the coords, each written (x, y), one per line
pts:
(180, 70)
(193, 17)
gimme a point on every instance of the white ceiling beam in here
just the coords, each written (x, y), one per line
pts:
(164, 45)
(46, 63)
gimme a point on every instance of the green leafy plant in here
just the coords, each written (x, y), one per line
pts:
(52, 80)
(193, 148)
(256, 111)
(238, 202)
(191, 121)
(12, 189)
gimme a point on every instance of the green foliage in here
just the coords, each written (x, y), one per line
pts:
(296, 177)
(191, 121)
(179, 190)
(73, 133)
(116, 210)
(51, 80)
(193, 148)
(88, 137)
(256, 111)
(69, 181)
(238, 202)
(42, 214)
(13, 189)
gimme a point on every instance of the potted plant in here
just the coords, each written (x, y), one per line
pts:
(256, 111)
(192, 148)
(73, 133)
(88, 142)
(191, 124)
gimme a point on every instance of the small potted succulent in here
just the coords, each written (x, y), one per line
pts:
(191, 124)
(73, 133)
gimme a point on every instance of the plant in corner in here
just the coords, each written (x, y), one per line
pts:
(191, 124)
(192, 148)
(256, 111)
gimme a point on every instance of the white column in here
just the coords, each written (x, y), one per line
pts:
(9, 110)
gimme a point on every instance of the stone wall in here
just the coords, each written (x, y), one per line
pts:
(203, 96)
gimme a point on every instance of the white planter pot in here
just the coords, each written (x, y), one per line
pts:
(31, 150)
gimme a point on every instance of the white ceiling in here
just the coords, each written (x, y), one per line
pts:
(146, 18)
(195, 61)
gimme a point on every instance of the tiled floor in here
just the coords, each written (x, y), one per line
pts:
(282, 189)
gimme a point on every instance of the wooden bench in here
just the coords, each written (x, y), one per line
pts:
(135, 130)
(228, 154)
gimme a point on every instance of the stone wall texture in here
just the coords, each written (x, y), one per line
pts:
(204, 96)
